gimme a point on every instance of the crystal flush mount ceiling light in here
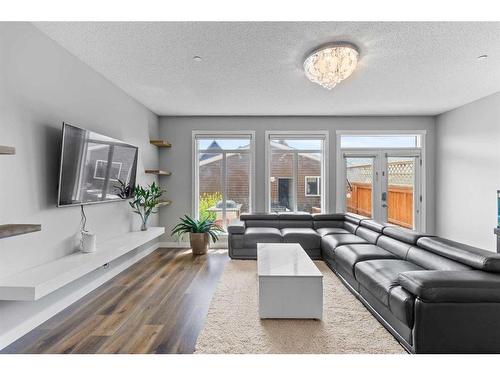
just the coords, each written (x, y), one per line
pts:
(331, 64)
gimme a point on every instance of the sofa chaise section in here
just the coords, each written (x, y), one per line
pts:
(433, 294)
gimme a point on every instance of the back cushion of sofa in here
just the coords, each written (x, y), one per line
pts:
(295, 224)
(402, 234)
(368, 234)
(398, 248)
(262, 223)
(351, 227)
(472, 256)
(328, 224)
(292, 220)
(431, 261)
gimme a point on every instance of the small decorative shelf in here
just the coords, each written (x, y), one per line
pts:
(160, 143)
(9, 230)
(7, 150)
(164, 203)
(158, 172)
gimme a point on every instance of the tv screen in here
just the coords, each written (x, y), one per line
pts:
(92, 166)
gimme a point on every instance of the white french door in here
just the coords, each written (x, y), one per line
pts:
(383, 184)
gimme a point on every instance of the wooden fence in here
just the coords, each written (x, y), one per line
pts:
(399, 201)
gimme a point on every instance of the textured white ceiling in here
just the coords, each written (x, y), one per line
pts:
(255, 68)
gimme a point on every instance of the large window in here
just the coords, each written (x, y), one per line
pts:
(223, 175)
(296, 171)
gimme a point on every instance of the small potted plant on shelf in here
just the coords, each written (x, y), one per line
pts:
(144, 199)
(200, 231)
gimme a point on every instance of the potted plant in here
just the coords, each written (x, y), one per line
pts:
(144, 199)
(200, 231)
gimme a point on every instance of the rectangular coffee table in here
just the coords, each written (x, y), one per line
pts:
(290, 284)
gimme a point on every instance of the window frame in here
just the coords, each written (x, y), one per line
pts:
(318, 185)
(318, 134)
(106, 163)
(197, 134)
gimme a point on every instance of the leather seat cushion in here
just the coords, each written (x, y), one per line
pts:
(348, 255)
(255, 235)
(307, 238)
(325, 231)
(380, 275)
(401, 304)
(336, 240)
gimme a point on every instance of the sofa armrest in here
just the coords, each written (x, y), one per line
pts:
(236, 227)
(452, 286)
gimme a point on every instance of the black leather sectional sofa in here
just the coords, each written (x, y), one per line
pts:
(434, 295)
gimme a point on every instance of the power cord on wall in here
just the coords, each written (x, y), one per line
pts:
(83, 221)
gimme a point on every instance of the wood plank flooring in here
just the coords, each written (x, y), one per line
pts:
(158, 305)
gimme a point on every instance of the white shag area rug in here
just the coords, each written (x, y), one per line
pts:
(233, 325)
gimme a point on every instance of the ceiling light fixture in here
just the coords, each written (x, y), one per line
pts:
(331, 64)
(197, 58)
(482, 57)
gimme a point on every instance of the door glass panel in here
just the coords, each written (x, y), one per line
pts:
(237, 185)
(401, 190)
(359, 185)
(281, 181)
(309, 186)
(210, 186)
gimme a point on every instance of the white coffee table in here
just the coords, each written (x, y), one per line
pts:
(290, 284)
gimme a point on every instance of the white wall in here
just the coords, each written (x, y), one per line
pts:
(178, 131)
(468, 172)
(42, 85)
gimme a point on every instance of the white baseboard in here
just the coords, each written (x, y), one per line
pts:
(57, 301)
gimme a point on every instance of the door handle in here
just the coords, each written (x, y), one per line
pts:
(384, 205)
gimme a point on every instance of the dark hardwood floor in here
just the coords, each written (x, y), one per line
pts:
(158, 305)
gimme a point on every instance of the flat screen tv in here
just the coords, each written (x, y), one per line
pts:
(91, 167)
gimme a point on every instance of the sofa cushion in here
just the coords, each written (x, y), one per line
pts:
(403, 234)
(331, 241)
(328, 224)
(452, 286)
(328, 217)
(295, 220)
(430, 261)
(354, 218)
(396, 247)
(307, 238)
(368, 234)
(401, 304)
(380, 275)
(472, 256)
(267, 220)
(348, 255)
(325, 231)
(255, 235)
(258, 216)
(350, 227)
(373, 225)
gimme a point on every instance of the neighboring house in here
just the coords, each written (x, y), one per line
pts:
(308, 182)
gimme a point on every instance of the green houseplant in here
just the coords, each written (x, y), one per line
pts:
(200, 231)
(144, 199)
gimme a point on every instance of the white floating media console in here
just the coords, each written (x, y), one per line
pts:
(37, 282)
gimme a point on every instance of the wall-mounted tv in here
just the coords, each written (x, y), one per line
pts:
(92, 165)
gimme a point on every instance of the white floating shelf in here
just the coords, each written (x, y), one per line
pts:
(37, 282)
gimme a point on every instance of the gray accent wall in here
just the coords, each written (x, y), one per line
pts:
(42, 85)
(178, 159)
(468, 172)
